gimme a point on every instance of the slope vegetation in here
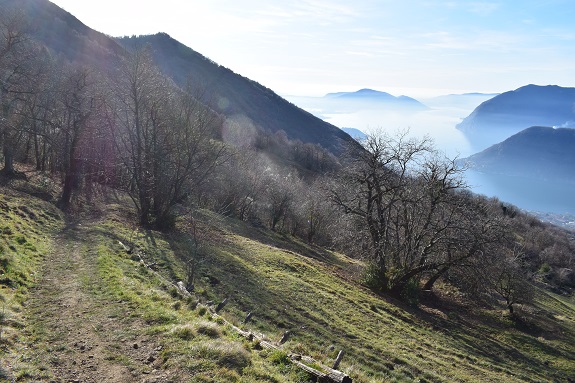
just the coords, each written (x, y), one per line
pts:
(101, 312)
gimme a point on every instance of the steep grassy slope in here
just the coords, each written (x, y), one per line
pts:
(77, 307)
(97, 311)
(27, 225)
(289, 285)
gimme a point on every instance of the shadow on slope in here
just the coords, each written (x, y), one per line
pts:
(312, 295)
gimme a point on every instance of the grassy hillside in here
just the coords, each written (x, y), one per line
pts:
(314, 293)
(96, 310)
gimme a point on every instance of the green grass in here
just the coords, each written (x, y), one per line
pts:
(27, 225)
(193, 343)
(27, 228)
(288, 285)
(313, 292)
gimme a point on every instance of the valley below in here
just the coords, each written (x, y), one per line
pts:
(539, 196)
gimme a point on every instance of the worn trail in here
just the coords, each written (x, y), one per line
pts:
(77, 335)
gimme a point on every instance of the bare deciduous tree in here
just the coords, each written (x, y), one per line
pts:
(15, 60)
(401, 193)
(164, 136)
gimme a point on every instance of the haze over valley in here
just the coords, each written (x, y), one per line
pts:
(167, 216)
(446, 119)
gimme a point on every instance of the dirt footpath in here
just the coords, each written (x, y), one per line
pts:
(77, 335)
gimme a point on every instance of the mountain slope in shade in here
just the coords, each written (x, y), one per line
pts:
(247, 104)
(541, 153)
(64, 34)
(510, 112)
(240, 99)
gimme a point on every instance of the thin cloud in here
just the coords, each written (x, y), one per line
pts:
(484, 8)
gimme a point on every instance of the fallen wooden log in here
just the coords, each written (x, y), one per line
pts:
(329, 375)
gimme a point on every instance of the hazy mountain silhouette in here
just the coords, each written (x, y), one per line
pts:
(510, 112)
(542, 153)
(373, 98)
(248, 104)
(235, 96)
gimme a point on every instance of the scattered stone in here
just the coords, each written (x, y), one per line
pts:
(135, 346)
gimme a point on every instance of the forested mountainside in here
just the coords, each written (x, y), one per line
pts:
(249, 104)
(63, 34)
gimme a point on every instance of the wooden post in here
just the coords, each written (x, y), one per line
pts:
(248, 317)
(221, 305)
(285, 337)
(338, 360)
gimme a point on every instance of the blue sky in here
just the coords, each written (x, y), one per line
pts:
(312, 47)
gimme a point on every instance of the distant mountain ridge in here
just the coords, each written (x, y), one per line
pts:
(540, 153)
(510, 112)
(356, 134)
(374, 96)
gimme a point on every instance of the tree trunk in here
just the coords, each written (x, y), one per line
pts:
(429, 284)
(397, 286)
(69, 183)
(70, 177)
(510, 307)
(8, 158)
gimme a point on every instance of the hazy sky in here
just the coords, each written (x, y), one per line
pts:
(411, 47)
